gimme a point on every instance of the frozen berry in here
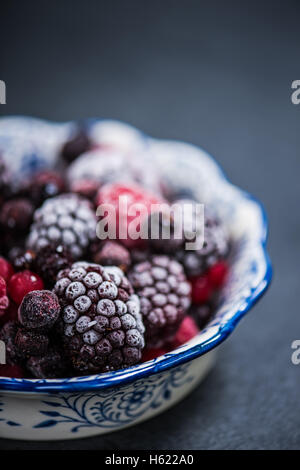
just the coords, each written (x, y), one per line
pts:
(6, 269)
(102, 327)
(217, 274)
(153, 353)
(111, 253)
(21, 258)
(202, 313)
(31, 343)
(187, 330)
(50, 365)
(50, 260)
(7, 335)
(23, 282)
(202, 289)
(16, 214)
(4, 302)
(165, 296)
(78, 144)
(12, 370)
(67, 220)
(131, 206)
(10, 314)
(44, 185)
(39, 310)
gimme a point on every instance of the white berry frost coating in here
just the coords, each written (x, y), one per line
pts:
(66, 219)
(101, 324)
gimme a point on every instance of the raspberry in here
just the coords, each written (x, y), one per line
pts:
(4, 302)
(16, 215)
(120, 219)
(111, 253)
(48, 366)
(43, 185)
(217, 274)
(7, 335)
(39, 310)
(67, 220)
(23, 282)
(165, 297)
(78, 144)
(50, 260)
(202, 289)
(31, 343)
(13, 371)
(187, 330)
(102, 327)
(6, 269)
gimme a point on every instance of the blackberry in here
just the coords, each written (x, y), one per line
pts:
(102, 328)
(66, 219)
(16, 215)
(195, 262)
(39, 310)
(50, 260)
(164, 295)
(111, 253)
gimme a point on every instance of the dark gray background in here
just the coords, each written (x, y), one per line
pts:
(217, 74)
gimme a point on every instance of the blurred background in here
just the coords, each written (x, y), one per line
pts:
(216, 74)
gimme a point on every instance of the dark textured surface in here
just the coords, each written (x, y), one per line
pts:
(217, 74)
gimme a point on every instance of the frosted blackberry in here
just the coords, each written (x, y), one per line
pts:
(165, 297)
(195, 262)
(66, 219)
(101, 324)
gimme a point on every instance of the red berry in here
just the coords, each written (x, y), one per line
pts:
(201, 289)
(23, 282)
(120, 219)
(188, 329)
(152, 353)
(217, 274)
(6, 269)
(15, 371)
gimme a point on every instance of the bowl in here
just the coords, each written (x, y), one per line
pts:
(35, 409)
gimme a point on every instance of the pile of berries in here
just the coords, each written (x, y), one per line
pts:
(84, 286)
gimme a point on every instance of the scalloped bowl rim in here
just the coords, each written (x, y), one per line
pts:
(174, 358)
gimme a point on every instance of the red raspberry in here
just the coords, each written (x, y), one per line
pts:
(4, 302)
(152, 353)
(132, 194)
(23, 282)
(217, 274)
(188, 329)
(6, 269)
(202, 289)
(15, 371)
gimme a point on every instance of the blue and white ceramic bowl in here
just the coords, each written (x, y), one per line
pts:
(98, 404)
